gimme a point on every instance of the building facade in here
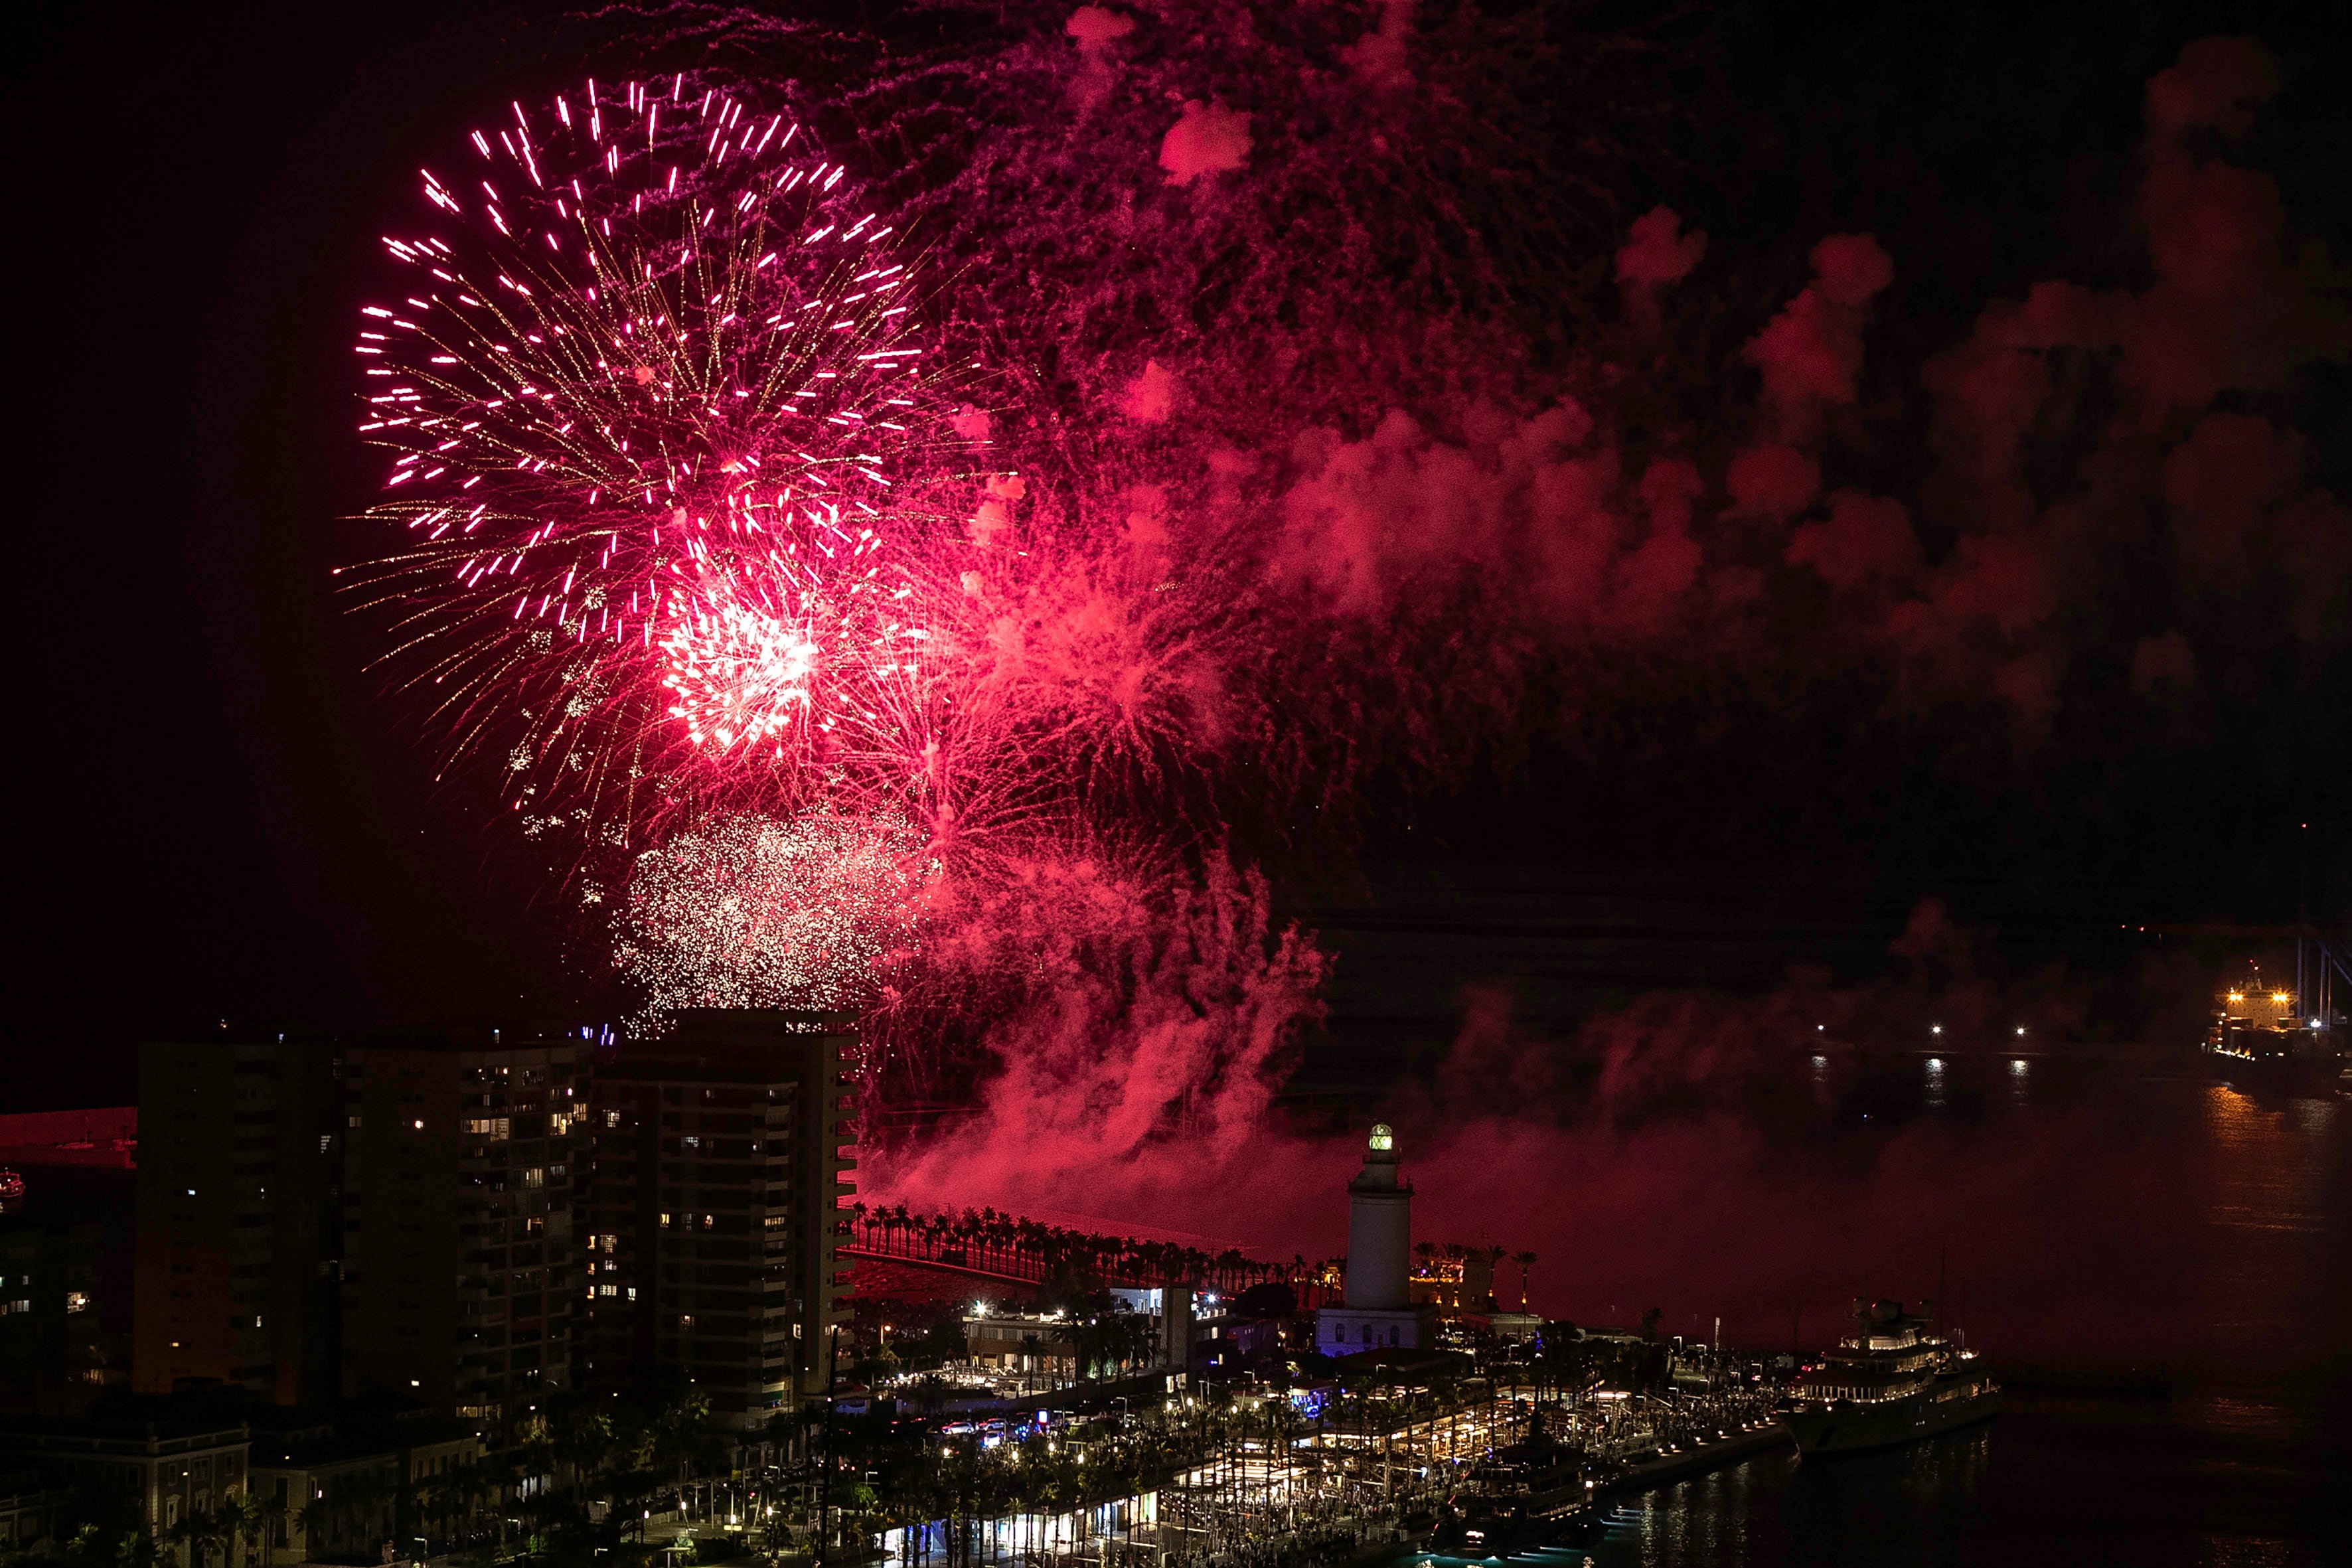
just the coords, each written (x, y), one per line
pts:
(232, 1260)
(33, 1508)
(163, 1464)
(461, 1265)
(341, 1489)
(721, 1159)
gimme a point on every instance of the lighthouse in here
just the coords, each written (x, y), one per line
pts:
(1378, 1313)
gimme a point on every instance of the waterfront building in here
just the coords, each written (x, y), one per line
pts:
(1377, 1311)
(720, 1154)
(461, 1263)
(233, 1272)
(1457, 1280)
(1040, 1344)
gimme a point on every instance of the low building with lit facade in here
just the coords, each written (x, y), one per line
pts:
(721, 1153)
(1032, 1344)
(168, 1458)
(340, 1485)
(1457, 1280)
(33, 1509)
(1377, 1311)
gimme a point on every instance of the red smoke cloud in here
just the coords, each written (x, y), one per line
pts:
(1344, 502)
(1669, 1155)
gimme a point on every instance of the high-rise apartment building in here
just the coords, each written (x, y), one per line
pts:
(233, 1258)
(719, 1153)
(461, 1265)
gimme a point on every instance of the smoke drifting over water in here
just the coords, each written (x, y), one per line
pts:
(1363, 425)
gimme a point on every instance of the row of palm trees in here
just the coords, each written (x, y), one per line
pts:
(1021, 1249)
(234, 1535)
(236, 1530)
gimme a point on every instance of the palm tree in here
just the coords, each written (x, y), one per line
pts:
(245, 1521)
(1525, 1261)
(179, 1533)
(363, 1495)
(208, 1533)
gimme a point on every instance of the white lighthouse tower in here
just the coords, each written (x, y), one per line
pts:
(1378, 1313)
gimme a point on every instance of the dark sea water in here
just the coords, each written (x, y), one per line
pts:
(2101, 1208)
(2248, 1459)
(2249, 1476)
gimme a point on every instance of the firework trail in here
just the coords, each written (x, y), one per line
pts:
(662, 430)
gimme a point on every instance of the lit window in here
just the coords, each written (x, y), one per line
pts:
(691, 1143)
(632, 1291)
(665, 1219)
(608, 1289)
(76, 1301)
(612, 1119)
(706, 1222)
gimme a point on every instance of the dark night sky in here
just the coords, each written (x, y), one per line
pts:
(219, 816)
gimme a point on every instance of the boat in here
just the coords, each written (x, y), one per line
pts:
(1893, 1379)
(2262, 1041)
(1527, 1495)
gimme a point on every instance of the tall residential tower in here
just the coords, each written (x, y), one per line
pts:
(462, 1267)
(715, 1211)
(233, 1270)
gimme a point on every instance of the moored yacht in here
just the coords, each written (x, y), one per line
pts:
(1526, 1496)
(1893, 1379)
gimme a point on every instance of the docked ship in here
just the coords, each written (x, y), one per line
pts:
(1893, 1379)
(2261, 1039)
(1528, 1495)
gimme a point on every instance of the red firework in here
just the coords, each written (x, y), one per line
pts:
(662, 420)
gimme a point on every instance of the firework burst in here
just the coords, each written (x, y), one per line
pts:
(754, 912)
(662, 430)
